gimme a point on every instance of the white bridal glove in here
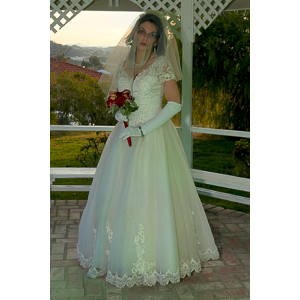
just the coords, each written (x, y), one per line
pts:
(170, 110)
(120, 117)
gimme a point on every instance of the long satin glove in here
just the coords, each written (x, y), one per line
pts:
(170, 110)
(120, 117)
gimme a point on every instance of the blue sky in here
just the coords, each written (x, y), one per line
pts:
(101, 28)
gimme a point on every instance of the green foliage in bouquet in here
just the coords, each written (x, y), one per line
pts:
(129, 107)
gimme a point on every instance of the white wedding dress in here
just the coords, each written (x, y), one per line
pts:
(144, 222)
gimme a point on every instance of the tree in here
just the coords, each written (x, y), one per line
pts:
(62, 57)
(95, 60)
(53, 108)
(87, 64)
(221, 73)
(80, 99)
(93, 63)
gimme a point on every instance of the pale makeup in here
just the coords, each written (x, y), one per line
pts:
(146, 36)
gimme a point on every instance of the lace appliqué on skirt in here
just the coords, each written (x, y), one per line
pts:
(144, 273)
(149, 279)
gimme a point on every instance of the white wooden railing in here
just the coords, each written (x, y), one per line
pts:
(210, 178)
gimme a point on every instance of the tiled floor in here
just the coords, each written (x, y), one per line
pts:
(227, 278)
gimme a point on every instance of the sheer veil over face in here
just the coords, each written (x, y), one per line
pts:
(143, 51)
(146, 39)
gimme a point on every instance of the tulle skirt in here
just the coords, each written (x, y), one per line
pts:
(144, 222)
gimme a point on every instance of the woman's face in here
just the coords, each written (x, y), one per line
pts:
(146, 36)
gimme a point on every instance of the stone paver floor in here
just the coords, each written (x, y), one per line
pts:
(227, 278)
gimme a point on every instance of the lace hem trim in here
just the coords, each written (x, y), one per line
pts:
(143, 279)
(209, 254)
(85, 262)
(144, 273)
(149, 278)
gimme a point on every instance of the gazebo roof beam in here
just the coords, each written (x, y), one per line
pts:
(113, 5)
(238, 5)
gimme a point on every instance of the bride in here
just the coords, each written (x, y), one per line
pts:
(144, 222)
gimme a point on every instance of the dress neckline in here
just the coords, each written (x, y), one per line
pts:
(137, 75)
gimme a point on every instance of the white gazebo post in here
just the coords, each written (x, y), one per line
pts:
(187, 39)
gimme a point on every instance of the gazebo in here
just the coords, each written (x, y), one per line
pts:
(186, 18)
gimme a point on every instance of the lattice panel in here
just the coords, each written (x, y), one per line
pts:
(205, 11)
(62, 11)
(174, 21)
(172, 9)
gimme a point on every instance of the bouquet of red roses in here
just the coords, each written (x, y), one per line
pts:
(124, 102)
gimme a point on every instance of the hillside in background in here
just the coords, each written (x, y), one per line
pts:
(78, 51)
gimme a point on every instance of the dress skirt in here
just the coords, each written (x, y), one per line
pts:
(144, 222)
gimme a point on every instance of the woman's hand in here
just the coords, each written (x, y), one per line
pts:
(130, 131)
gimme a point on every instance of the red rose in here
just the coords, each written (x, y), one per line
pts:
(120, 100)
(112, 95)
(110, 102)
(126, 94)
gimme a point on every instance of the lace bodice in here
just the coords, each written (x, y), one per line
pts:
(147, 89)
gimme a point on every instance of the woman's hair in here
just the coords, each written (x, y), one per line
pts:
(160, 32)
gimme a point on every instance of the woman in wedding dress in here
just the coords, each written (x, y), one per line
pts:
(144, 222)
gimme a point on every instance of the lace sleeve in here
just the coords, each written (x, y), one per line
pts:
(166, 71)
